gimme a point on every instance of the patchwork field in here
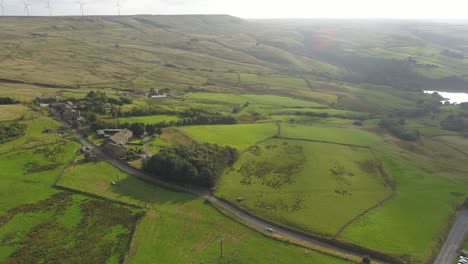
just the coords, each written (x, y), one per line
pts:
(13, 112)
(41, 224)
(149, 119)
(66, 228)
(411, 224)
(283, 81)
(315, 187)
(237, 136)
(329, 134)
(252, 99)
(184, 222)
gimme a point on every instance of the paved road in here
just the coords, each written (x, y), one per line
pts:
(203, 193)
(454, 239)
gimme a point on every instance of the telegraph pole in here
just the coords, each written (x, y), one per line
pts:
(221, 247)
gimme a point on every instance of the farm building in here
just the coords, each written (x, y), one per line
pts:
(71, 115)
(156, 94)
(116, 145)
(105, 133)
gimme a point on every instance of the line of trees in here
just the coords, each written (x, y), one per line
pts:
(398, 129)
(8, 101)
(199, 163)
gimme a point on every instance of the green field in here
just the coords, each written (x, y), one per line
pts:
(27, 175)
(42, 224)
(239, 136)
(252, 99)
(283, 81)
(411, 223)
(329, 134)
(13, 112)
(35, 135)
(184, 222)
(155, 119)
(66, 228)
(292, 182)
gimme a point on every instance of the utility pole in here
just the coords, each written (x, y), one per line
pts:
(221, 247)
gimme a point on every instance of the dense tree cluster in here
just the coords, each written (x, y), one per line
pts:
(8, 101)
(9, 131)
(453, 54)
(455, 123)
(97, 102)
(398, 129)
(198, 164)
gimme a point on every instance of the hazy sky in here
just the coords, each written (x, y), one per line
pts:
(419, 9)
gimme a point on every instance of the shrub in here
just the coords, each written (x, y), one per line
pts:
(8, 101)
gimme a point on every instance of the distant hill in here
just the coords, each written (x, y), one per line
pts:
(176, 51)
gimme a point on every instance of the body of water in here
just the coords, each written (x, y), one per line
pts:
(452, 97)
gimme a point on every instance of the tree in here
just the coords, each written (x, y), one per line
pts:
(150, 129)
(366, 260)
(138, 129)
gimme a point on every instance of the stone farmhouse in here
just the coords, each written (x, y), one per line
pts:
(116, 145)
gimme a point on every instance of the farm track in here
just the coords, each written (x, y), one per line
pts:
(326, 246)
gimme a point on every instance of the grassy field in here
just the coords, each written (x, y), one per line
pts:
(283, 81)
(41, 224)
(293, 182)
(27, 175)
(67, 228)
(35, 134)
(411, 224)
(156, 144)
(13, 112)
(329, 134)
(252, 99)
(237, 136)
(456, 142)
(184, 222)
(149, 119)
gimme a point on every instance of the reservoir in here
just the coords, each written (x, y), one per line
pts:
(452, 97)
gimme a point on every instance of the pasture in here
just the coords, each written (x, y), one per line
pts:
(283, 81)
(153, 119)
(411, 224)
(66, 228)
(183, 221)
(314, 187)
(13, 112)
(26, 175)
(239, 136)
(42, 224)
(36, 135)
(351, 136)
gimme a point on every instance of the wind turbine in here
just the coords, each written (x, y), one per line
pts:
(2, 8)
(118, 6)
(26, 9)
(49, 7)
(82, 4)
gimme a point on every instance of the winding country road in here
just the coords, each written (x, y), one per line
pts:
(454, 239)
(255, 222)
